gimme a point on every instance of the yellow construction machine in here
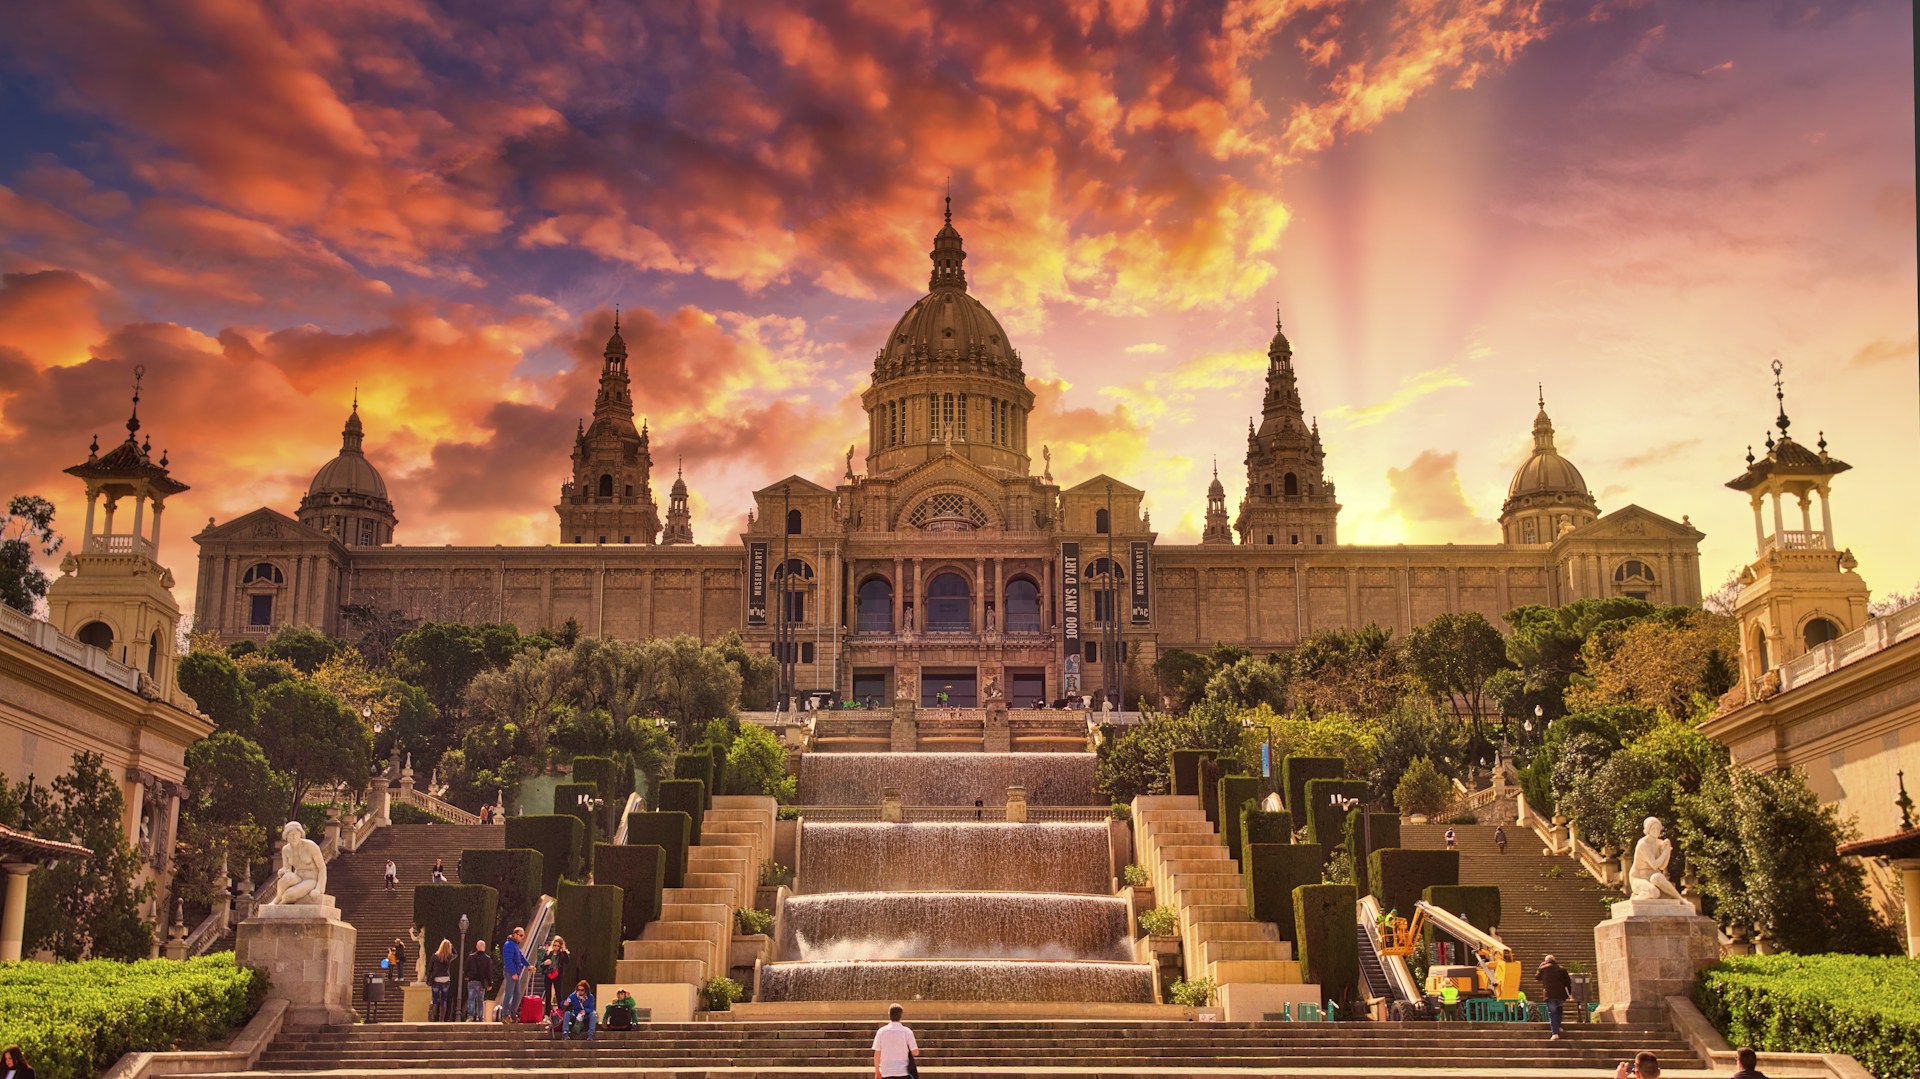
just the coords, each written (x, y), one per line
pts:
(1497, 973)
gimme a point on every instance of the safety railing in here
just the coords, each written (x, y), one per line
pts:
(635, 804)
(445, 810)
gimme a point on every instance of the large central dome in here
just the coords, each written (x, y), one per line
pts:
(946, 378)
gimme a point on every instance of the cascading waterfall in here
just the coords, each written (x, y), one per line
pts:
(954, 925)
(947, 779)
(974, 979)
(974, 856)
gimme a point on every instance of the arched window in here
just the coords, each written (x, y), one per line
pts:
(97, 634)
(1760, 648)
(1291, 485)
(873, 606)
(153, 655)
(263, 573)
(606, 485)
(1819, 631)
(1023, 606)
(1102, 522)
(1634, 579)
(1104, 578)
(794, 579)
(793, 522)
(949, 604)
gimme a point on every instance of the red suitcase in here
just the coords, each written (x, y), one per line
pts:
(532, 1009)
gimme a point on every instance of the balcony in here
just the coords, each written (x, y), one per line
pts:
(1796, 541)
(1878, 634)
(880, 622)
(118, 543)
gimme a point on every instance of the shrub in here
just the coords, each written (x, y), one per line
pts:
(687, 796)
(73, 1020)
(1323, 818)
(566, 801)
(720, 994)
(514, 873)
(1160, 921)
(1263, 826)
(588, 915)
(1324, 940)
(1864, 1005)
(1273, 871)
(1398, 876)
(1296, 771)
(1423, 789)
(1196, 994)
(1134, 876)
(1184, 767)
(1235, 794)
(558, 837)
(1210, 772)
(697, 763)
(773, 874)
(748, 921)
(1122, 811)
(672, 832)
(437, 909)
(640, 872)
(1462, 818)
(756, 763)
(405, 813)
(1384, 829)
(1477, 903)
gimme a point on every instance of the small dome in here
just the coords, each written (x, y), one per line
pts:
(946, 321)
(1547, 473)
(350, 472)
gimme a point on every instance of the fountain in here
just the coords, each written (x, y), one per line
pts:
(973, 979)
(947, 779)
(955, 925)
(986, 856)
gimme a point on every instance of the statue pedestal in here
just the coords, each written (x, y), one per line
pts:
(416, 1002)
(998, 735)
(1650, 949)
(306, 952)
(905, 732)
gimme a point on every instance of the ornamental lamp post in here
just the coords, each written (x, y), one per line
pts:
(1347, 805)
(460, 978)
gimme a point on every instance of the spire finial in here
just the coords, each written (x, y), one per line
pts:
(1216, 466)
(1541, 389)
(616, 318)
(680, 468)
(356, 399)
(1780, 397)
(133, 419)
(1276, 314)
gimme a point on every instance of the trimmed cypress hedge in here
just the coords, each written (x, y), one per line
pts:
(613, 782)
(697, 763)
(1385, 833)
(588, 915)
(719, 751)
(1294, 773)
(514, 874)
(566, 799)
(1868, 1006)
(1272, 873)
(640, 873)
(1398, 875)
(671, 832)
(1234, 794)
(1323, 925)
(437, 909)
(687, 796)
(1325, 819)
(558, 837)
(1263, 826)
(1210, 772)
(1184, 768)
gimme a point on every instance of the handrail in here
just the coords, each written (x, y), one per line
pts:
(420, 799)
(539, 929)
(635, 804)
(1367, 912)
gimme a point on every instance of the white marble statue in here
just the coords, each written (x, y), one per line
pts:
(1650, 857)
(303, 872)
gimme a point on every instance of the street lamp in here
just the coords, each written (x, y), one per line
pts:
(1347, 805)
(458, 1001)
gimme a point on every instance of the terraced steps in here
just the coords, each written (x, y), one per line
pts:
(357, 883)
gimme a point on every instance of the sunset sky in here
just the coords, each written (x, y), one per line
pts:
(1639, 205)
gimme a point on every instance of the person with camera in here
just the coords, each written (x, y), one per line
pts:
(1644, 1066)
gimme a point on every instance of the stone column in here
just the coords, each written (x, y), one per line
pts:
(1650, 949)
(1017, 805)
(1909, 881)
(899, 598)
(890, 811)
(380, 803)
(13, 916)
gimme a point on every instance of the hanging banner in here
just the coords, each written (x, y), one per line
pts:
(756, 584)
(1142, 595)
(1070, 599)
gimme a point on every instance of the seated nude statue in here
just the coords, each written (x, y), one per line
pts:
(1650, 856)
(303, 873)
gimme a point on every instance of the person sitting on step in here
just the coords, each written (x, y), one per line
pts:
(577, 1011)
(620, 1013)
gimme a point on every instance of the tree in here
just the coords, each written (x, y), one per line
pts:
(1248, 682)
(1454, 655)
(83, 906)
(1423, 789)
(688, 683)
(1135, 761)
(303, 647)
(1358, 672)
(1412, 730)
(312, 737)
(757, 672)
(1659, 662)
(219, 689)
(27, 524)
(1722, 599)
(375, 630)
(1182, 677)
(444, 657)
(757, 764)
(232, 797)
(1893, 601)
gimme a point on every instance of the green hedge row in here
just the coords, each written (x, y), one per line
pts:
(73, 1020)
(588, 916)
(641, 874)
(672, 832)
(612, 781)
(558, 837)
(1235, 794)
(514, 873)
(1382, 828)
(1296, 771)
(1398, 875)
(1272, 872)
(1210, 772)
(566, 802)
(1326, 820)
(1323, 929)
(1183, 767)
(1868, 1006)
(1263, 826)
(687, 796)
(697, 763)
(437, 909)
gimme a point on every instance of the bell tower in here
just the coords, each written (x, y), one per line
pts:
(1216, 530)
(610, 498)
(1289, 499)
(1800, 591)
(113, 593)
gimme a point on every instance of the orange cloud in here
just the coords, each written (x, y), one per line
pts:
(1427, 496)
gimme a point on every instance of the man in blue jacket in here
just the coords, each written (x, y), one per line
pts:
(513, 961)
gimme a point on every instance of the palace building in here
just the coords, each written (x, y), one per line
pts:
(955, 562)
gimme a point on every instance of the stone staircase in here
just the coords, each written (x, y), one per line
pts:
(981, 1048)
(357, 882)
(1548, 905)
(1191, 871)
(690, 941)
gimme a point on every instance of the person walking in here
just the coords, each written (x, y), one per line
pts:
(440, 978)
(1558, 986)
(894, 1047)
(393, 876)
(1453, 839)
(1500, 837)
(13, 1064)
(1749, 1063)
(479, 973)
(513, 963)
(553, 971)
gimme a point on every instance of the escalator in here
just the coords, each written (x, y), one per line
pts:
(1371, 972)
(1387, 976)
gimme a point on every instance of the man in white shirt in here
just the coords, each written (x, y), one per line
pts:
(893, 1046)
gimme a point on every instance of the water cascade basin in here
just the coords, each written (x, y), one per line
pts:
(855, 926)
(987, 856)
(951, 979)
(947, 779)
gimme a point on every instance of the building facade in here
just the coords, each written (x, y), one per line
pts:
(951, 564)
